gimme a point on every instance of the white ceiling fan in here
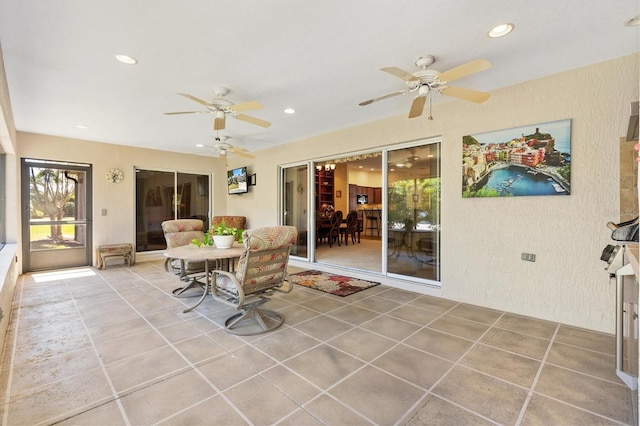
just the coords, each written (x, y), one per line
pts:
(426, 80)
(222, 148)
(222, 107)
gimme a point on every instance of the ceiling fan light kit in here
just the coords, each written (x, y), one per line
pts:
(426, 80)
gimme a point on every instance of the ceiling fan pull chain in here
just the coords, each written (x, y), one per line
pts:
(430, 105)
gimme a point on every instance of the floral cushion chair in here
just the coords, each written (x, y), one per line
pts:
(178, 233)
(262, 269)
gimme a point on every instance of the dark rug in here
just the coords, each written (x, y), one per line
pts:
(330, 283)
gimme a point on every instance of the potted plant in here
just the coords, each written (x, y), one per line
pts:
(223, 235)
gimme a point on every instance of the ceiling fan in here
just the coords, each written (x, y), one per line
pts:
(221, 148)
(426, 80)
(222, 107)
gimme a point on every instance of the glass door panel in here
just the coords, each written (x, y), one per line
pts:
(413, 212)
(56, 231)
(295, 193)
(164, 196)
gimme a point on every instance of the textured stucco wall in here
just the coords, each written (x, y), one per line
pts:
(482, 239)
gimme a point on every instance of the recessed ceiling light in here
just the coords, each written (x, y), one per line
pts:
(392, 170)
(633, 22)
(430, 156)
(372, 169)
(125, 59)
(360, 167)
(399, 164)
(199, 145)
(81, 126)
(289, 111)
(501, 30)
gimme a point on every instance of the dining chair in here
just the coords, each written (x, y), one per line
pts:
(350, 228)
(334, 228)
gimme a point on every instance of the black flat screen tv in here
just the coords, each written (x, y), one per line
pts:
(237, 181)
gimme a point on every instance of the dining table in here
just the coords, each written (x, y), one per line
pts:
(214, 259)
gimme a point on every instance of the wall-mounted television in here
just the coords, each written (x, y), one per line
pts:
(237, 181)
(362, 198)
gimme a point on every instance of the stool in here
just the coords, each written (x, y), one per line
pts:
(113, 251)
(372, 221)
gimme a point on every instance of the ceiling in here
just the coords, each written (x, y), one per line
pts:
(320, 57)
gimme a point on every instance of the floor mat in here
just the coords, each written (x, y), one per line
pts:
(338, 285)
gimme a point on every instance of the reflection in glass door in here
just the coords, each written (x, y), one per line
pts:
(413, 212)
(295, 194)
(164, 196)
(56, 200)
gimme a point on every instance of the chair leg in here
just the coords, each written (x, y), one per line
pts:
(266, 319)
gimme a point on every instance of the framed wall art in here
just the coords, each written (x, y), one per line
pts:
(521, 161)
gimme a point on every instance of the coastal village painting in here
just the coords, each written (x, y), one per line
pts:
(527, 160)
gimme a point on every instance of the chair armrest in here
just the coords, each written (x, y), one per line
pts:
(233, 279)
(282, 288)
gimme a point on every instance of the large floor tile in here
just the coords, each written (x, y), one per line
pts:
(408, 363)
(377, 395)
(260, 401)
(492, 398)
(362, 344)
(459, 327)
(521, 344)
(586, 392)
(527, 325)
(585, 361)
(582, 338)
(436, 411)
(160, 400)
(508, 366)
(323, 365)
(546, 411)
(440, 344)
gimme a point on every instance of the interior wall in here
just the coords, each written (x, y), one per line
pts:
(118, 226)
(482, 239)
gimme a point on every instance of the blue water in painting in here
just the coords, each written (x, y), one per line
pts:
(516, 181)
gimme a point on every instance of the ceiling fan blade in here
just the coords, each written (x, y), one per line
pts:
(465, 94)
(241, 152)
(184, 112)
(218, 123)
(198, 100)
(252, 120)
(417, 106)
(464, 70)
(390, 95)
(397, 72)
(246, 106)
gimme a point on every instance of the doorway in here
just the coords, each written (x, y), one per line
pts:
(395, 192)
(56, 215)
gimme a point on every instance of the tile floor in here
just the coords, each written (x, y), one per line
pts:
(113, 347)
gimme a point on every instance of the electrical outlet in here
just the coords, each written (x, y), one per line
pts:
(529, 257)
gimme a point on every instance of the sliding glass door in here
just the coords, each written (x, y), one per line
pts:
(295, 209)
(395, 193)
(413, 212)
(164, 196)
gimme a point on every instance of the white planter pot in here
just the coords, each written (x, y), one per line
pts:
(224, 241)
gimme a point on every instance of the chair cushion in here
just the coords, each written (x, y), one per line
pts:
(263, 239)
(180, 232)
(181, 225)
(239, 222)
